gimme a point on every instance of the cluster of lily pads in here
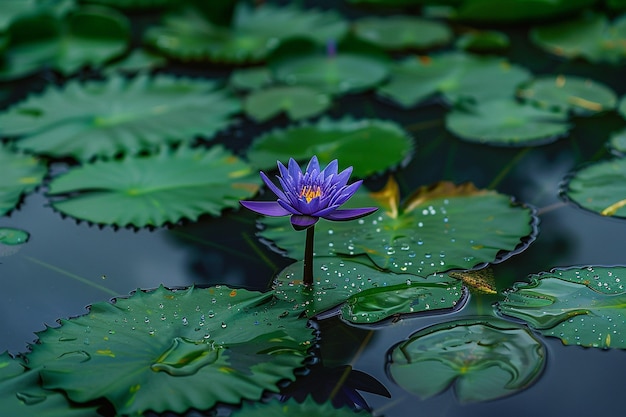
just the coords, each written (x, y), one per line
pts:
(137, 149)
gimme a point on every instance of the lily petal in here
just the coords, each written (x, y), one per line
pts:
(349, 214)
(347, 192)
(267, 208)
(303, 222)
(272, 187)
(313, 165)
(289, 207)
(331, 168)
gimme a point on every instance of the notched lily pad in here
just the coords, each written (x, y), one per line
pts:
(507, 123)
(172, 350)
(154, 190)
(581, 306)
(569, 93)
(20, 174)
(457, 76)
(437, 228)
(118, 116)
(297, 102)
(366, 295)
(402, 32)
(600, 187)
(292, 408)
(387, 144)
(481, 360)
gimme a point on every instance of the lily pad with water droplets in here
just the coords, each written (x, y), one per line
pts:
(291, 408)
(20, 174)
(296, 101)
(481, 360)
(154, 190)
(118, 116)
(402, 32)
(366, 294)
(591, 36)
(387, 144)
(457, 76)
(581, 306)
(173, 350)
(507, 123)
(437, 228)
(253, 34)
(600, 187)
(569, 93)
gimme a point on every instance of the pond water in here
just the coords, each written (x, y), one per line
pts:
(67, 265)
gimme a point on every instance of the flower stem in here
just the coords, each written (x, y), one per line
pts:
(308, 257)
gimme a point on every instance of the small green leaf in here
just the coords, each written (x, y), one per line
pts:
(118, 116)
(20, 174)
(292, 408)
(617, 142)
(173, 350)
(481, 359)
(250, 78)
(297, 102)
(154, 190)
(600, 187)
(387, 143)
(507, 122)
(401, 32)
(483, 41)
(581, 306)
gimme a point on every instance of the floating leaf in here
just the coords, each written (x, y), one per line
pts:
(600, 187)
(138, 60)
(436, 229)
(119, 116)
(387, 143)
(459, 77)
(132, 4)
(254, 33)
(581, 306)
(400, 32)
(481, 359)
(617, 142)
(11, 240)
(251, 78)
(10, 10)
(590, 36)
(90, 36)
(517, 10)
(21, 394)
(20, 174)
(621, 107)
(292, 408)
(507, 122)
(483, 41)
(166, 350)
(569, 93)
(297, 102)
(368, 295)
(154, 190)
(345, 72)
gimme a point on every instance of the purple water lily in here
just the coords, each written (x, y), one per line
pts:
(307, 197)
(311, 195)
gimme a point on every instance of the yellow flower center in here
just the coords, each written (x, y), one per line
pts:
(310, 192)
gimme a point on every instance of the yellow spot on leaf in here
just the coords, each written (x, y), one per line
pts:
(28, 180)
(612, 209)
(105, 352)
(233, 293)
(389, 197)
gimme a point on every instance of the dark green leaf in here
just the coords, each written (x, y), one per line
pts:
(292, 408)
(401, 32)
(20, 174)
(484, 41)
(517, 10)
(298, 102)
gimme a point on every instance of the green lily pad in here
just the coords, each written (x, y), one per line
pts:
(20, 174)
(401, 32)
(251, 78)
(10, 10)
(484, 41)
(507, 123)
(366, 295)
(590, 36)
(118, 116)
(345, 72)
(387, 143)
(132, 4)
(517, 10)
(254, 33)
(90, 36)
(172, 350)
(154, 190)
(21, 394)
(600, 187)
(138, 60)
(436, 229)
(11, 240)
(617, 142)
(298, 102)
(481, 359)
(291, 408)
(581, 306)
(457, 76)
(621, 107)
(569, 93)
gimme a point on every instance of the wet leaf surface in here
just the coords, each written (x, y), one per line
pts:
(581, 306)
(481, 359)
(172, 350)
(388, 145)
(293, 408)
(154, 190)
(118, 116)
